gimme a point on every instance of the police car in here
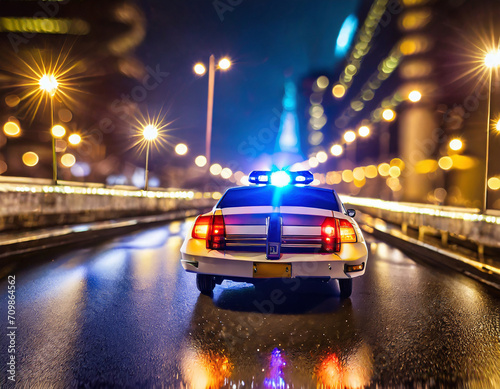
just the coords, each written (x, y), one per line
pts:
(279, 228)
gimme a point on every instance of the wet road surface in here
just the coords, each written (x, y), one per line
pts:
(125, 314)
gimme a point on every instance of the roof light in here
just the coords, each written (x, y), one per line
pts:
(280, 178)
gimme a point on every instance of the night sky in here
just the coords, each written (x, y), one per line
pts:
(267, 41)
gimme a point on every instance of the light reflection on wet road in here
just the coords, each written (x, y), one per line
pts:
(126, 314)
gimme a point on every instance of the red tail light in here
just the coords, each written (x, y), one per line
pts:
(216, 233)
(200, 229)
(330, 235)
(211, 228)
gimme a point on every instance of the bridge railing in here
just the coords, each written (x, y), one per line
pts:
(38, 203)
(463, 223)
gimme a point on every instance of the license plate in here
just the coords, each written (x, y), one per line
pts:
(272, 270)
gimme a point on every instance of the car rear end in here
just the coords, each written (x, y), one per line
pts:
(275, 232)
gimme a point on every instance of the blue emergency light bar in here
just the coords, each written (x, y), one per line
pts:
(280, 178)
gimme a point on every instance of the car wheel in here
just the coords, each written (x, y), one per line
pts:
(345, 287)
(205, 283)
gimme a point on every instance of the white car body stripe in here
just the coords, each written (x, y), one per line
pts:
(246, 210)
(245, 230)
(301, 231)
(306, 211)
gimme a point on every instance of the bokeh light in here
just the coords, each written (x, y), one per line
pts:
(388, 115)
(383, 169)
(30, 158)
(445, 163)
(181, 149)
(313, 162)
(456, 144)
(322, 157)
(350, 136)
(215, 169)
(226, 173)
(414, 96)
(336, 150)
(200, 160)
(68, 160)
(338, 91)
(494, 183)
(58, 131)
(11, 129)
(364, 131)
(74, 139)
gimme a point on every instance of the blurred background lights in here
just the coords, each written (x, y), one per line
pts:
(226, 173)
(215, 169)
(68, 160)
(150, 132)
(12, 100)
(346, 34)
(30, 158)
(224, 63)
(58, 131)
(11, 129)
(199, 69)
(321, 156)
(338, 91)
(313, 162)
(388, 114)
(181, 149)
(336, 150)
(383, 169)
(497, 126)
(48, 83)
(350, 136)
(456, 144)
(445, 163)
(200, 160)
(494, 183)
(80, 169)
(492, 59)
(322, 82)
(364, 131)
(414, 96)
(74, 139)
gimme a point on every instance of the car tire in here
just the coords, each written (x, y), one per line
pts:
(345, 287)
(205, 283)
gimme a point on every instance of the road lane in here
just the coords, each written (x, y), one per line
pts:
(126, 314)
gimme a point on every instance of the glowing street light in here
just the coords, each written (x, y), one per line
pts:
(364, 131)
(336, 150)
(199, 68)
(150, 133)
(48, 83)
(58, 131)
(350, 136)
(491, 60)
(181, 149)
(456, 144)
(224, 63)
(414, 96)
(388, 115)
(74, 139)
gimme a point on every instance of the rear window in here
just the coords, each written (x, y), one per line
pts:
(293, 196)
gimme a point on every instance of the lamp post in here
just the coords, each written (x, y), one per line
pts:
(491, 60)
(200, 69)
(48, 83)
(150, 133)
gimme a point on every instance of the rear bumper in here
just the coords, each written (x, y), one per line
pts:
(197, 259)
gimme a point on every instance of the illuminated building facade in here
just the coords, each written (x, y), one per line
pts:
(404, 115)
(90, 44)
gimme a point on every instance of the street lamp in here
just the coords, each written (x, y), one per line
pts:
(491, 60)
(48, 83)
(150, 133)
(200, 69)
